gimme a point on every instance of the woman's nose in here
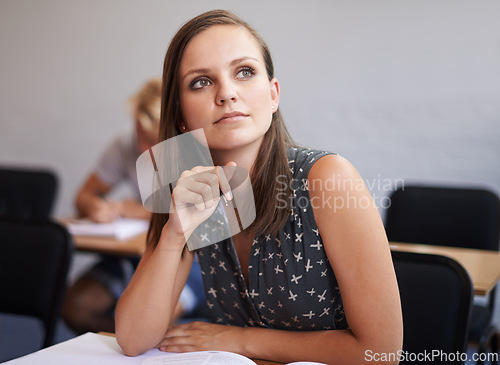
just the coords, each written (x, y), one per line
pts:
(226, 92)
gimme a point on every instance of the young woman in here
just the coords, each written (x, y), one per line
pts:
(312, 277)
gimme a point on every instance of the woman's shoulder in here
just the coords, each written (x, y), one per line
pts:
(302, 159)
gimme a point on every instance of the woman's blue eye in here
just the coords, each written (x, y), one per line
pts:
(245, 73)
(200, 83)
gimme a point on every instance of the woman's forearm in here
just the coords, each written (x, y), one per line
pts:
(331, 347)
(145, 309)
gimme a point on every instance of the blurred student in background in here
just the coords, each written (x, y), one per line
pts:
(90, 302)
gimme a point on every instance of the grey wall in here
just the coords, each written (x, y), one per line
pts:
(404, 89)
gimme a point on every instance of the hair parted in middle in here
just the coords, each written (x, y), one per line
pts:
(271, 164)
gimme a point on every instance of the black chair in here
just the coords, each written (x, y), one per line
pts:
(436, 299)
(27, 193)
(34, 262)
(467, 218)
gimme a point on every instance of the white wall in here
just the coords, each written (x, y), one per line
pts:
(404, 89)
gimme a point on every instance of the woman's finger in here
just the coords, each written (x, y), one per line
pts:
(184, 196)
(224, 183)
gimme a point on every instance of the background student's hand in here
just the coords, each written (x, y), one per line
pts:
(202, 336)
(102, 211)
(196, 195)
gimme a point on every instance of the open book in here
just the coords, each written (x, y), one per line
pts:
(208, 358)
(120, 229)
(96, 349)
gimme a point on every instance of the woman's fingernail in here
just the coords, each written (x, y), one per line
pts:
(229, 195)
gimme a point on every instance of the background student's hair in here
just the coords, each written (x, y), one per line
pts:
(271, 161)
(145, 105)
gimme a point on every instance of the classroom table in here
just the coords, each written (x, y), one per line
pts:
(133, 246)
(483, 266)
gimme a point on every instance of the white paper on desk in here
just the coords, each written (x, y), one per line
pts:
(199, 358)
(87, 349)
(120, 229)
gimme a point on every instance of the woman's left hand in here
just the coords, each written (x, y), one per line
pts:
(202, 336)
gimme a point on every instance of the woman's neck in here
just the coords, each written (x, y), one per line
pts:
(243, 157)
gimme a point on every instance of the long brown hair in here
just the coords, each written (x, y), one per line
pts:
(271, 164)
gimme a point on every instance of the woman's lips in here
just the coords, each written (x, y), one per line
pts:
(231, 117)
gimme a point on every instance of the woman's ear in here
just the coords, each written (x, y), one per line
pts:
(182, 126)
(275, 94)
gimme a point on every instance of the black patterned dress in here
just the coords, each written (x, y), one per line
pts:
(291, 284)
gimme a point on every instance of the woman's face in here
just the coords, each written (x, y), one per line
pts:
(224, 88)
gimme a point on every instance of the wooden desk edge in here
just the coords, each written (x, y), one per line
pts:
(480, 287)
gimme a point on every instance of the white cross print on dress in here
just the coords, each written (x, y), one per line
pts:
(213, 255)
(277, 269)
(295, 319)
(257, 252)
(261, 305)
(204, 237)
(295, 279)
(316, 231)
(312, 291)
(223, 265)
(318, 245)
(326, 311)
(298, 257)
(323, 273)
(298, 237)
(210, 305)
(253, 294)
(308, 265)
(292, 296)
(310, 314)
(212, 270)
(213, 292)
(322, 296)
(270, 291)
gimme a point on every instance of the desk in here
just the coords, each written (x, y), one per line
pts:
(134, 246)
(483, 266)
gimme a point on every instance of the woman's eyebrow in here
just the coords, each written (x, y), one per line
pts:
(242, 59)
(232, 63)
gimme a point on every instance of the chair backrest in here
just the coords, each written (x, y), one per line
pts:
(34, 261)
(27, 193)
(436, 298)
(444, 216)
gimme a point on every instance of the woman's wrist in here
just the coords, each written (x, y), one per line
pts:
(171, 239)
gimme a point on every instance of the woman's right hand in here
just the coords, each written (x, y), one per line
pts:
(196, 196)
